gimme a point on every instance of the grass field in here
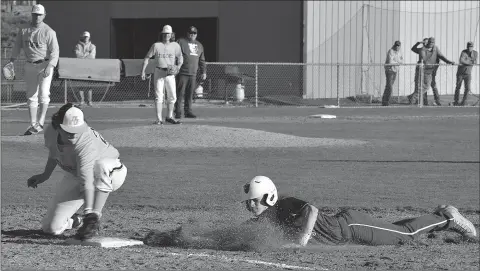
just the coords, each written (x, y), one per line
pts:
(389, 162)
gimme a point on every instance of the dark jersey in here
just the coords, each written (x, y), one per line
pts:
(287, 214)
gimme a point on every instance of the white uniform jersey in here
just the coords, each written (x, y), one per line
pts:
(79, 158)
(38, 43)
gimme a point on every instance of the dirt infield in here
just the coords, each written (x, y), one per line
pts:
(410, 160)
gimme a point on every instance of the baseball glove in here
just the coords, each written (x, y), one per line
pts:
(172, 70)
(8, 71)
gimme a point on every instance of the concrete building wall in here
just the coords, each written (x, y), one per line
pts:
(249, 31)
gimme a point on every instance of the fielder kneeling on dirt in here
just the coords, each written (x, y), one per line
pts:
(92, 170)
(305, 223)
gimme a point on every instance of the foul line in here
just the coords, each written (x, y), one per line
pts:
(230, 259)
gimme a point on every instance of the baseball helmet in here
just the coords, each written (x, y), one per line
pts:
(261, 186)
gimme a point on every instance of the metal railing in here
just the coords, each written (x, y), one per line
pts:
(264, 84)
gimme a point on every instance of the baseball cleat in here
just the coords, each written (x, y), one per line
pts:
(458, 222)
(90, 227)
(190, 115)
(38, 127)
(178, 115)
(77, 221)
(172, 121)
(158, 122)
(31, 130)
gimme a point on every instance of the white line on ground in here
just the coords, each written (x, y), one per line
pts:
(230, 259)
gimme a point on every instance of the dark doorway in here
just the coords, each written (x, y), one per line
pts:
(131, 38)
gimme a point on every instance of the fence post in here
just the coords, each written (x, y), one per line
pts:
(256, 85)
(65, 91)
(420, 87)
(338, 85)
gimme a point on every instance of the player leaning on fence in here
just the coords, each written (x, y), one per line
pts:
(39, 42)
(166, 54)
(416, 49)
(394, 59)
(85, 49)
(468, 58)
(430, 55)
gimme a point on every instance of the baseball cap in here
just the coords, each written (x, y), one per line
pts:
(470, 44)
(167, 29)
(398, 43)
(73, 121)
(192, 29)
(86, 34)
(38, 9)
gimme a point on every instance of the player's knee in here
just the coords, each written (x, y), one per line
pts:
(32, 101)
(44, 99)
(172, 100)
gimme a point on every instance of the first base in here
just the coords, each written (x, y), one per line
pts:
(324, 116)
(104, 242)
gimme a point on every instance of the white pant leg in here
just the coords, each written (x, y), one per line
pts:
(38, 87)
(67, 200)
(171, 88)
(159, 83)
(109, 174)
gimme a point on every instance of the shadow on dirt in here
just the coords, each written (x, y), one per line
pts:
(29, 237)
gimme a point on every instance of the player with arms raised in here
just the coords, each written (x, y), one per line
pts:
(303, 223)
(92, 170)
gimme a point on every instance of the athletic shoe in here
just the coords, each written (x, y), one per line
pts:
(38, 127)
(190, 115)
(31, 130)
(77, 221)
(172, 121)
(90, 227)
(458, 223)
(178, 115)
(158, 122)
(90, 104)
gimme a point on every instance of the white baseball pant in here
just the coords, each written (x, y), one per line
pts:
(38, 87)
(167, 82)
(109, 176)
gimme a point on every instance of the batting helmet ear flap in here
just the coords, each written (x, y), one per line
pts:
(271, 199)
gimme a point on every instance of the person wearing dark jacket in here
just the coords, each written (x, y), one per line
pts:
(430, 56)
(193, 62)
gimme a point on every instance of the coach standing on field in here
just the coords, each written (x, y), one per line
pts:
(39, 42)
(193, 61)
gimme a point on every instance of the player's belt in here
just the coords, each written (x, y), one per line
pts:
(161, 68)
(38, 61)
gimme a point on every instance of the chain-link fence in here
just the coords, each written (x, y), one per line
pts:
(266, 84)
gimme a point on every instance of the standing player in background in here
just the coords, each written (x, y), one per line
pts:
(39, 42)
(468, 58)
(167, 54)
(193, 61)
(92, 171)
(412, 97)
(394, 59)
(430, 55)
(87, 50)
(302, 222)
